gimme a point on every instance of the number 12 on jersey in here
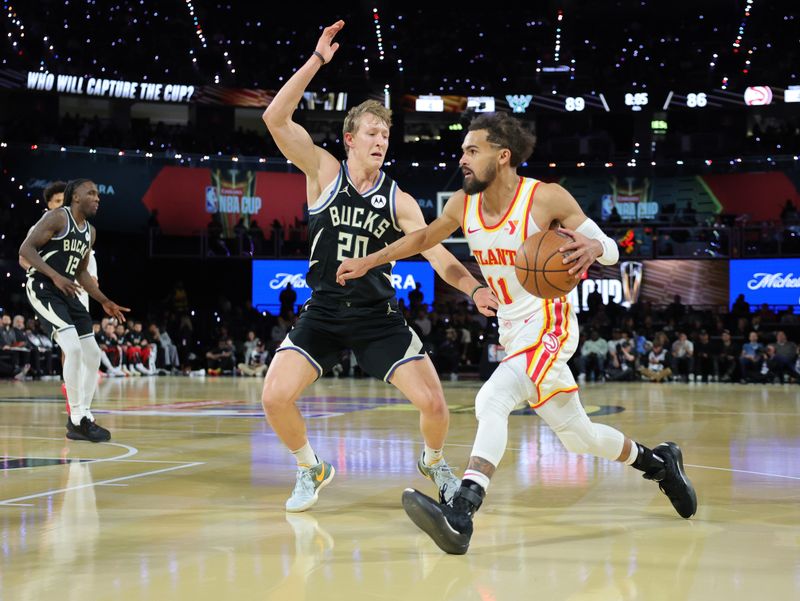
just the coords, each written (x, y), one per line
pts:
(351, 246)
(72, 265)
(500, 290)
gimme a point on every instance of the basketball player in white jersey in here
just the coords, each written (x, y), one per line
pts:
(497, 209)
(354, 209)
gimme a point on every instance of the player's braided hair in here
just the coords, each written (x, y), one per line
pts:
(507, 132)
(73, 185)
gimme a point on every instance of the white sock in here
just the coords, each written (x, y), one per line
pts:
(477, 477)
(634, 454)
(106, 363)
(71, 347)
(432, 456)
(90, 355)
(305, 456)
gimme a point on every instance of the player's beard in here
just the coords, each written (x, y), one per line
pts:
(476, 185)
(89, 210)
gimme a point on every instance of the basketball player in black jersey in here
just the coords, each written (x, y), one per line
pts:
(57, 250)
(354, 209)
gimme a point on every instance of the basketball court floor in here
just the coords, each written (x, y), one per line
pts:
(186, 502)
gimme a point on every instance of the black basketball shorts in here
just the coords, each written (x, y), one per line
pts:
(57, 311)
(379, 337)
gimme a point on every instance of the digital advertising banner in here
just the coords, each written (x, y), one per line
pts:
(698, 283)
(166, 92)
(121, 184)
(186, 198)
(771, 281)
(270, 278)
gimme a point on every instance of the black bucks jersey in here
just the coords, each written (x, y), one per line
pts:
(344, 224)
(65, 251)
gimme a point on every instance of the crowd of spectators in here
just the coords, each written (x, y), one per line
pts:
(673, 343)
(680, 344)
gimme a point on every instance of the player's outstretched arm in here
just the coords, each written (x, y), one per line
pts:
(51, 223)
(409, 245)
(450, 269)
(90, 285)
(293, 141)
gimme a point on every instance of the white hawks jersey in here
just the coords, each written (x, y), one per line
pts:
(494, 247)
(544, 331)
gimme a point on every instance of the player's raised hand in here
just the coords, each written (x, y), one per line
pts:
(351, 269)
(114, 310)
(583, 252)
(324, 45)
(486, 301)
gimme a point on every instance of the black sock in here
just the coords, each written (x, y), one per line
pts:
(646, 460)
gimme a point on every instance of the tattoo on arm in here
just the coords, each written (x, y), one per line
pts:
(481, 465)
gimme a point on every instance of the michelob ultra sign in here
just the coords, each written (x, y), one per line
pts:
(270, 277)
(771, 281)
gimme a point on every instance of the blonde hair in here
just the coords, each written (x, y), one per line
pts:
(372, 107)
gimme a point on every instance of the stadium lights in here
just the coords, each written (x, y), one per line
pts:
(376, 20)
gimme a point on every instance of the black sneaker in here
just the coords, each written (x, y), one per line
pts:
(99, 432)
(450, 529)
(87, 430)
(672, 479)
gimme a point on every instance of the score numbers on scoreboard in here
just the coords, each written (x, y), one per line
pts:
(636, 100)
(574, 103)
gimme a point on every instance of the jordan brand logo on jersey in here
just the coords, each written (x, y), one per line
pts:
(346, 190)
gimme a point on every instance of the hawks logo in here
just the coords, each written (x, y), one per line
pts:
(550, 342)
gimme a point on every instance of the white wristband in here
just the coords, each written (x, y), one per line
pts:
(610, 249)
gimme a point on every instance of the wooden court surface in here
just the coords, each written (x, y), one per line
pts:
(186, 502)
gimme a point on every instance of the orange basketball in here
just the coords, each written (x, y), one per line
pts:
(539, 265)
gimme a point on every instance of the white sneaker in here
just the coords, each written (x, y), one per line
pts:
(20, 377)
(309, 481)
(441, 474)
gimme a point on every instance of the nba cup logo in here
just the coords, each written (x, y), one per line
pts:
(232, 195)
(631, 274)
